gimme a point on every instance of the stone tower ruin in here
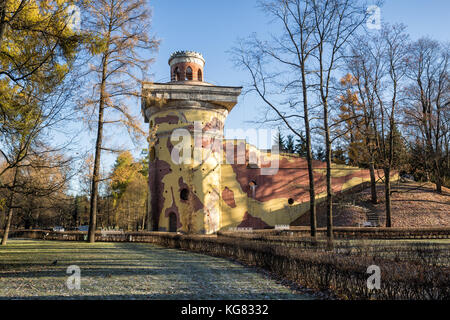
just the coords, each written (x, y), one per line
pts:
(185, 196)
(194, 184)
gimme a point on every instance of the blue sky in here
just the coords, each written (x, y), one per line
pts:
(213, 26)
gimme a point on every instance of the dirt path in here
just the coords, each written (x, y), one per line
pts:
(128, 271)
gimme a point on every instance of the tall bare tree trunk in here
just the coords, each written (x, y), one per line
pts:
(387, 189)
(98, 150)
(8, 225)
(329, 193)
(122, 48)
(10, 209)
(328, 176)
(312, 192)
(438, 177)
(373, 183)
(437, 153)
(387, 172)
(95, 177)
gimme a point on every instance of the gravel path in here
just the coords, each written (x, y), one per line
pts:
(128, 271)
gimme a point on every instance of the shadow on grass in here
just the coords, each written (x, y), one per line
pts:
(212, 296)
(118, 266)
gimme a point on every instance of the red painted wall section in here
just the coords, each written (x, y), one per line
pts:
(251, 222)
(228, 197)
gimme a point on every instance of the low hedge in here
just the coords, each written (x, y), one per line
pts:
(359, 232)
(344, 275)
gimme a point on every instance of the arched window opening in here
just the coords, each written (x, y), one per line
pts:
(253, 186)
(199, 75)
(176, 74)
(188, 73)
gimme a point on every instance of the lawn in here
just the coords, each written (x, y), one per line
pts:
(128, 271)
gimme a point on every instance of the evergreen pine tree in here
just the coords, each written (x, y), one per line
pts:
(290, 144)
(300, 147)
(279, 138)
(338, 155)
(319, 154)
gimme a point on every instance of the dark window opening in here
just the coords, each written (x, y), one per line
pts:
(172, 222)
(291, 201)
(252, 186)
(184, 194)
(199, 75)
(188, 73)
(176, 75)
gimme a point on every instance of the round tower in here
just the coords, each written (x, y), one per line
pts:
(185, 162)
(186, 66)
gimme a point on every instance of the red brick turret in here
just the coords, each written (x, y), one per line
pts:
(186, 66)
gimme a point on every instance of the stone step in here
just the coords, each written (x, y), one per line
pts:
(373, 218)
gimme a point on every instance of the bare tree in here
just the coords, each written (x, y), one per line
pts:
(40, 179)
(394, 41)
(290, 52)
(428, 104)
(44, 179)
(387, 54)
(378, 64)
(335, 22)
(366, 67)
(120, 29)
(300, 64)
(357, 111)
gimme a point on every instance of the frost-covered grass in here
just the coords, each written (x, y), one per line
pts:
(128, 271)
